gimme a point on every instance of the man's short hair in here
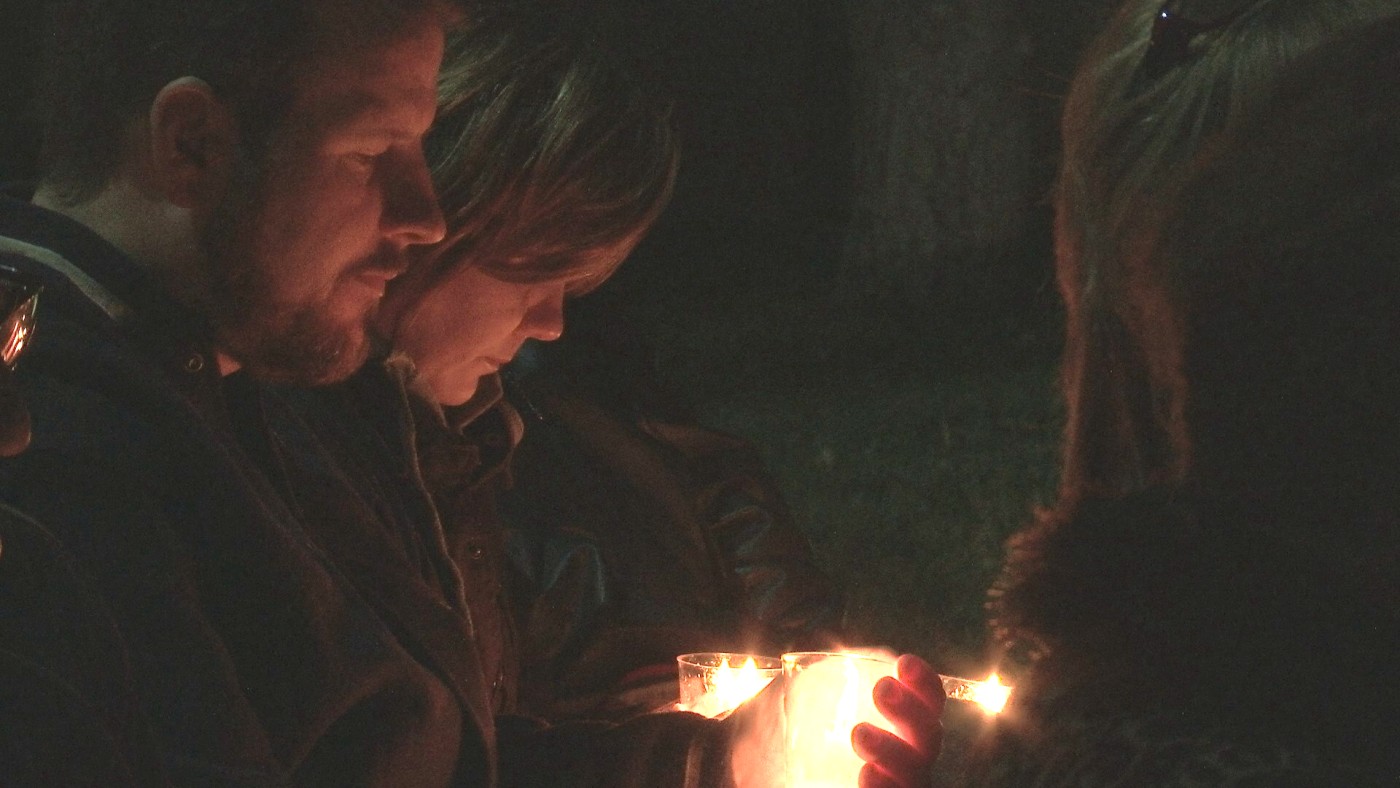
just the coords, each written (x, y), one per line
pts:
(552, 152)
(105, 61)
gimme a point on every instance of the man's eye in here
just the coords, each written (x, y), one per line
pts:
(361, 166)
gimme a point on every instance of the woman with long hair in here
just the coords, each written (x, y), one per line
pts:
(1214, 595)
(1157, 86)
(1232, 622)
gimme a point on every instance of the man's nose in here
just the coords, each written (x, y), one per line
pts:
(411, 212)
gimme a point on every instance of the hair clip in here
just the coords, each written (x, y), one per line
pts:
(1172, 34)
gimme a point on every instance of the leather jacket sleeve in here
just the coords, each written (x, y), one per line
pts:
(766, 559)
(638, 535)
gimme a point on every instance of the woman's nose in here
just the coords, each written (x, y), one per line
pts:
(545, 318)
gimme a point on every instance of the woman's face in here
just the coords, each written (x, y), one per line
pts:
(470, 324)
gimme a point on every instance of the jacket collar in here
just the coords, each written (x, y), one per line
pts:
(118, 274)
(180, 337)
(151, 310)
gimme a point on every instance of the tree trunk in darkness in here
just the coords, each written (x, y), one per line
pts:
(943, 189)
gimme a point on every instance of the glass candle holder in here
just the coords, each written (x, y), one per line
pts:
(715, 683)
(825, 696)
(990, 695)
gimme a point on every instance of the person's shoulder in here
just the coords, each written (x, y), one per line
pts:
(75, 354)
(87, 400)
(112, 434)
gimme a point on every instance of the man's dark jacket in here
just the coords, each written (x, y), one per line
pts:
(259, 655)
(68, 711)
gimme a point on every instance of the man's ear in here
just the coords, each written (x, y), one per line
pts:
(193, 142)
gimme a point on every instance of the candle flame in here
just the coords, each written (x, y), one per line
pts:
(730, 687)
(715, 689)
(991, 694)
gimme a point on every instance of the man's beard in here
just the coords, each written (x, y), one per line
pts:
(274, 340)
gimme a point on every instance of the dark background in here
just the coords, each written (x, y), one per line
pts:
(855, 272)
(894, 149)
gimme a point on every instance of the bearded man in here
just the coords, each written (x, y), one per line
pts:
(226, 188)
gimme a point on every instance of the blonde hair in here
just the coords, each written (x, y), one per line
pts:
(551, 155)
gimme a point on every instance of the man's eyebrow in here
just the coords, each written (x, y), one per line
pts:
(377, 116)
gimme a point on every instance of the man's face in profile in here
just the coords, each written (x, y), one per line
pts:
(308, 236)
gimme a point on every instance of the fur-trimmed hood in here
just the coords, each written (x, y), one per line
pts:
(1222, 612)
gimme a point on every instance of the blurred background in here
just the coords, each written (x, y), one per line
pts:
(855, 273)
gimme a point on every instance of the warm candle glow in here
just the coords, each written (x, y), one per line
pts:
(991, 694)
(730, 687)
(827, 695)
(711, 684)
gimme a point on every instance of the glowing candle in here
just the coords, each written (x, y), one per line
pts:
(826, 695)
(991, 694)
(714, 684)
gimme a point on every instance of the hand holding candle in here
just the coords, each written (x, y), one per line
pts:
(912, 701)
(851, 719)
(860, 719)
(826, 696)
